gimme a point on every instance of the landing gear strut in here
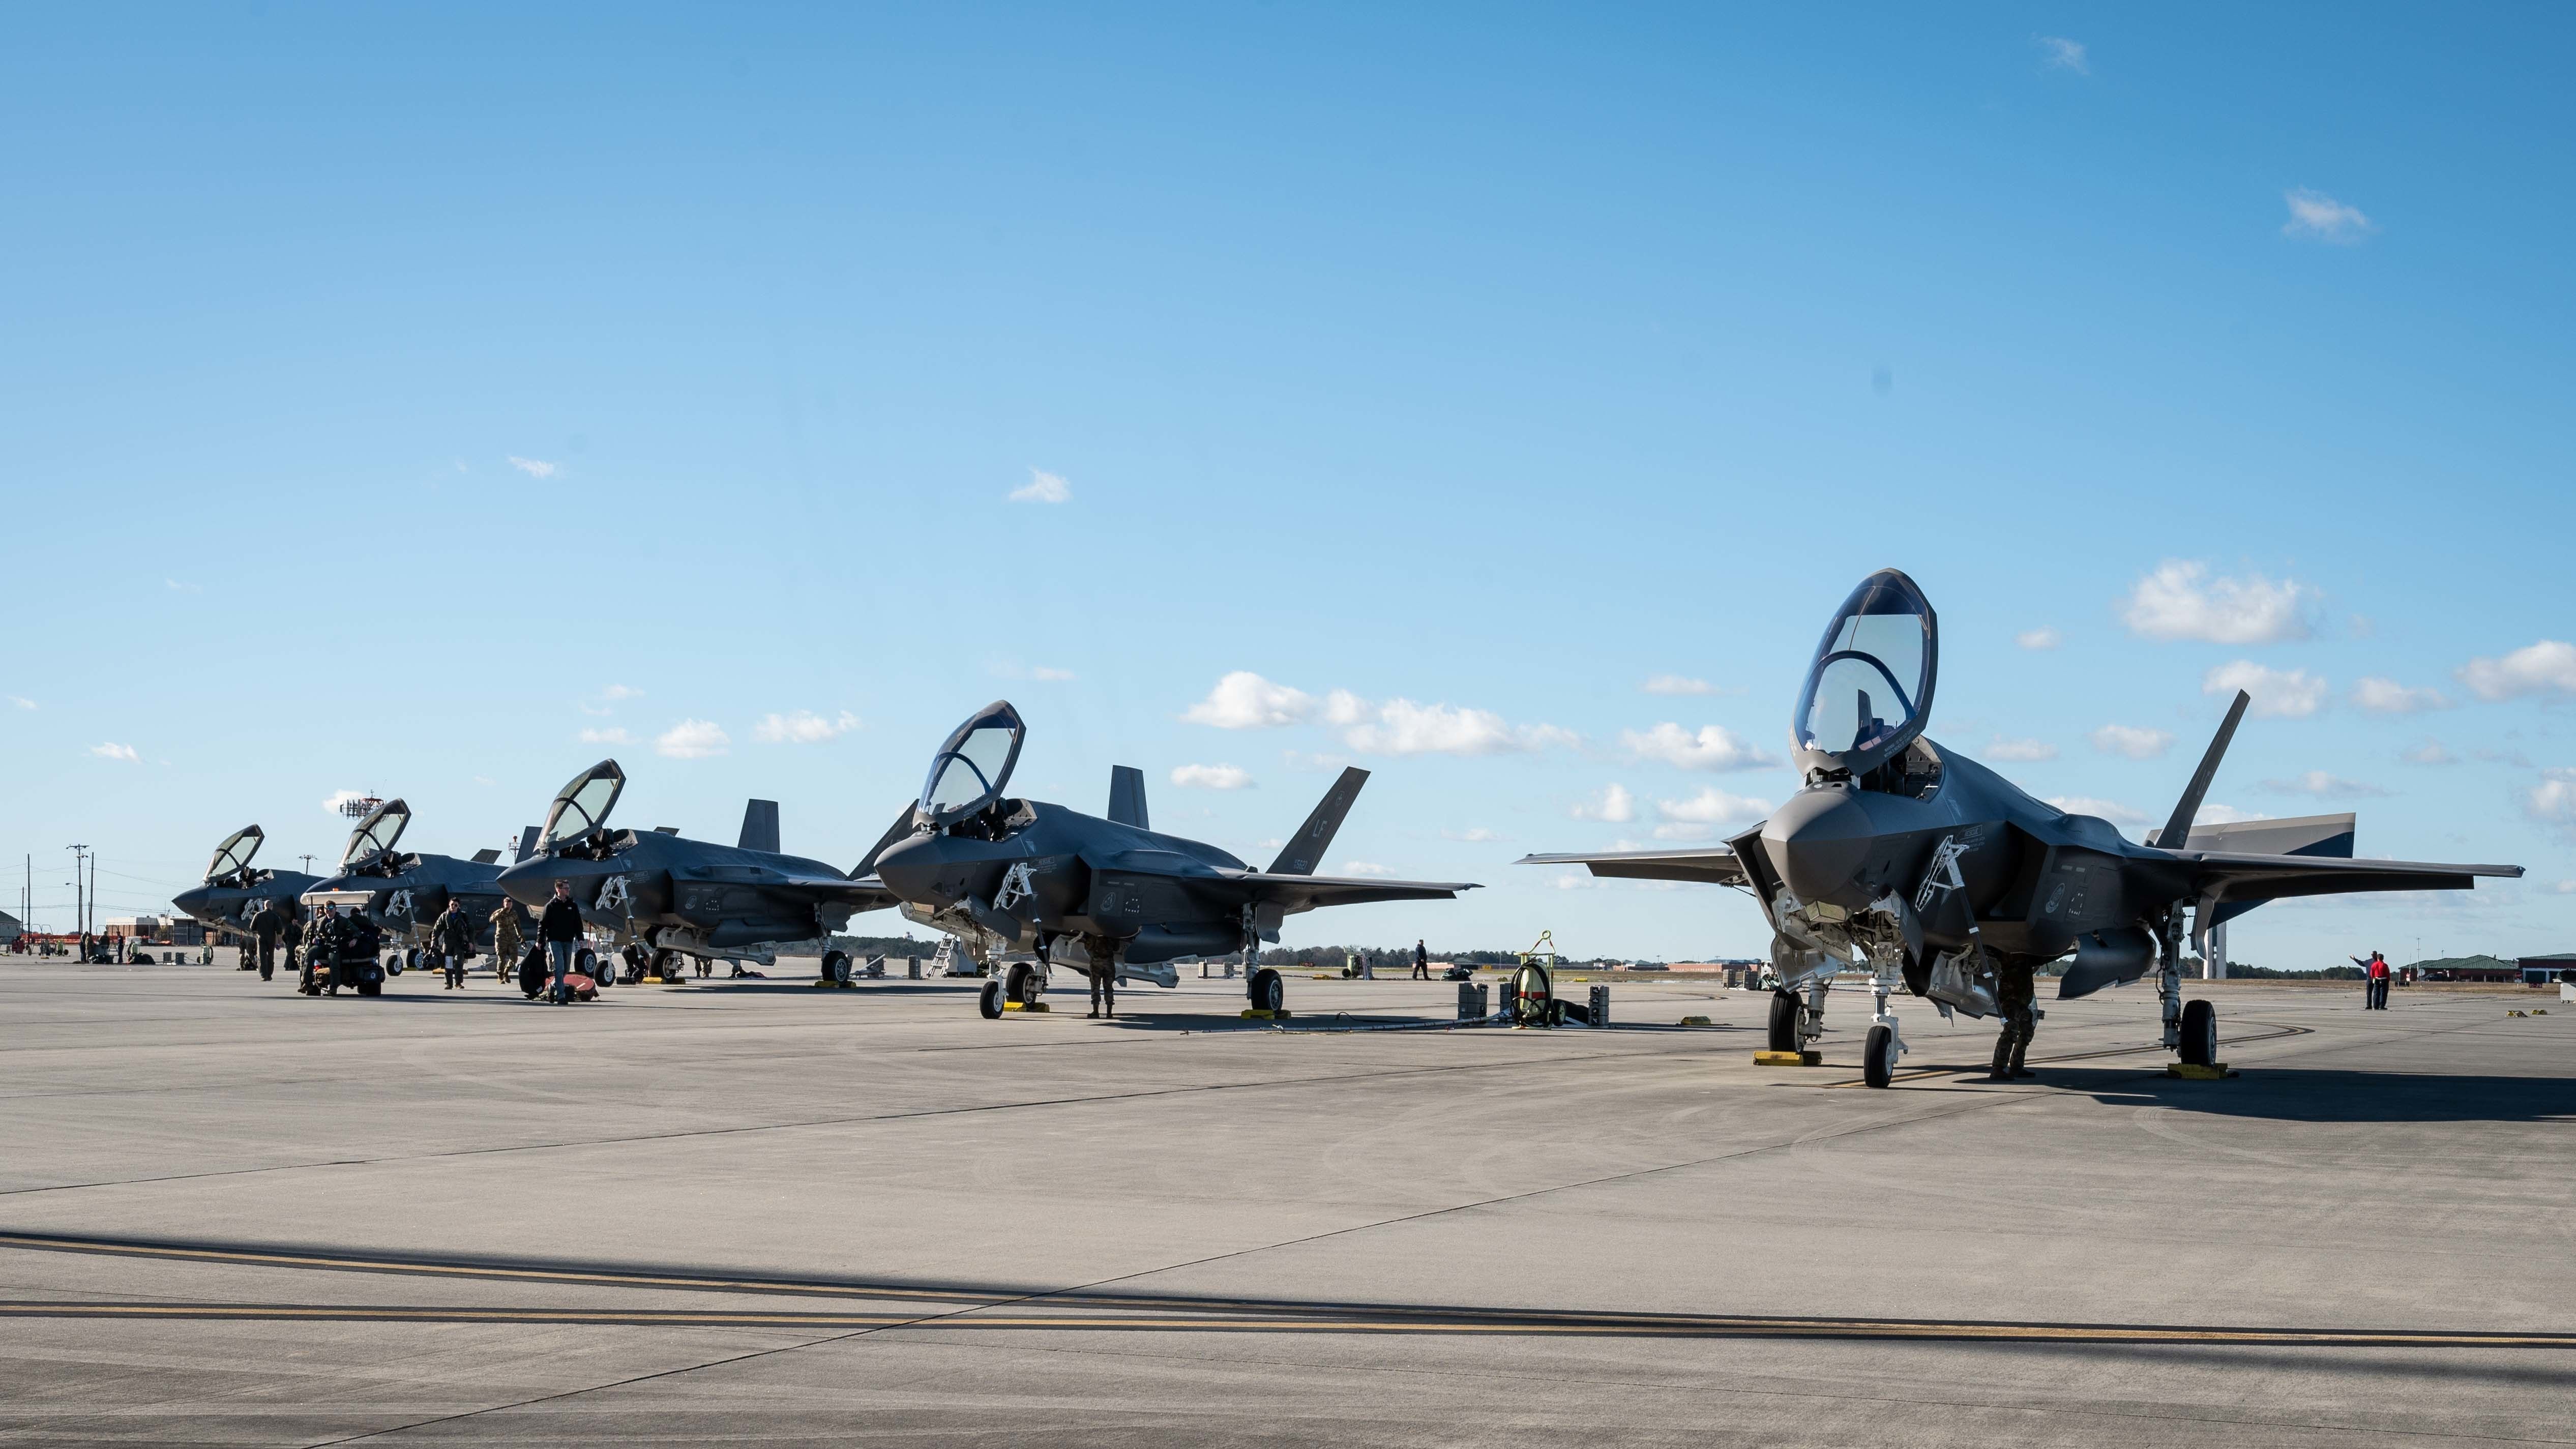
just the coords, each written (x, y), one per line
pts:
(1883, 1045)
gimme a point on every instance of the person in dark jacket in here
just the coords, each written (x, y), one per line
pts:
(453, 936)
(1421, 962)
(2015, 996)
(321, 944)
(560, 929)
(266, 924)
(293, 936)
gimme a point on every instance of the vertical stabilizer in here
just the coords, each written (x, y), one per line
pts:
(1305, 850)
(760, 826)
(1127, 796)
(2178, 829)
(527, 842)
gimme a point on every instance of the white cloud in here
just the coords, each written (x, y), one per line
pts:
(693, 739)
(1684, 831)
(2039, 638)
(2278, 693)
(1403, 727)
(2020, 750)
(1244, 700)
(1042, 672)
(2216, 814)
(1341, 707)
(1677, 684)
(1712, 748)
(116, 752)
(2111, 810)
(1211, 777)
(331, 803)
(2548, 667)
(621, 691)
(1713, 806)
(616, 736)
(2387, 696)
(1473, 833)
(2180, 601)
(1365, 867)
(2552, 801)
(2564, 888)
(1614, 804)
(22, 701)
(2315, 214)
(2430, 752)
(2064, 54)
(2324, 787)
(178, 587)
(802, 727)
(1043, 487)
(533, 467)
(1578, 881)
(2132, 741)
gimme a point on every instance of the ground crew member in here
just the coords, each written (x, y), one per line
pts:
(321, 942)
(266, 924)
(1104, 991)
(293, 936)
(2014, 993)
(2378, 982)
(560, 929)
(505, 939)
(1421, 962)
(453, 935)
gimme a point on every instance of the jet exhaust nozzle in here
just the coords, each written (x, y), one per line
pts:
(2113, 957)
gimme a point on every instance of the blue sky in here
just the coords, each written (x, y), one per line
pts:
(395, 395)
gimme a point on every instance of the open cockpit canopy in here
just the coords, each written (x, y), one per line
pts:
(974, 765)
(235, 852)
(377, 833)
(582, 805)
(1869, 692)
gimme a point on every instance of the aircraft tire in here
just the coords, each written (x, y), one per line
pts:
(989, 1000)
(836, 967)
(1784, 1021)
(1878, 1057)
(666, 964)
(2199, 1034)
(1265, 990)
(1018, 990)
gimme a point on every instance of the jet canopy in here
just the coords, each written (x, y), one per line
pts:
(583, 805)
(973, 766)
(1870, 690)
(235, 852)
(377, 833)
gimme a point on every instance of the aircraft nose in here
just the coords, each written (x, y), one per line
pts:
(192, 902)
(531, 882)
(910, 868)
(1818, 843)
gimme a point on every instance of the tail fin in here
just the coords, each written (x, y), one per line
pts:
(1306, 848)
(527, 842)
(2178, 829)
(1127, 796)
(760, 826)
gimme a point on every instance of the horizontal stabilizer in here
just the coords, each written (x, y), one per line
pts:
(760, 826)
(1713, 864)
(1127, 796)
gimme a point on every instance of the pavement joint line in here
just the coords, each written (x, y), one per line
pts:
(2279, 1031)
(1521, 1064)
(1365, 1321)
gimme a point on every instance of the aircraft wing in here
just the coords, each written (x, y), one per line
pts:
(859, 893)
(2241, 877)
(1292, 893)
(1713, 864)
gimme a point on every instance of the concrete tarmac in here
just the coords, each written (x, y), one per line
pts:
(757, 1212)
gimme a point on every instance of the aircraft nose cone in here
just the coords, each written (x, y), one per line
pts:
(910, 868)
(192, 902)
(1818, 843)
(531, 882)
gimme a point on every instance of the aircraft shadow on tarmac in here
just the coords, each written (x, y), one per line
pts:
(2279, 1094)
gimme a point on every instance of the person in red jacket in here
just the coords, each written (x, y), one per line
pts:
(2378, 982)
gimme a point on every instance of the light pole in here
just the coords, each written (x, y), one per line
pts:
(80, 917)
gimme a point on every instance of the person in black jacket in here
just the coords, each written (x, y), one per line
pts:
(265, 925)
(453, 935)
(560, 929)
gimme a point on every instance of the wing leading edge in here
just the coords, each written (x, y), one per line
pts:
(2238, 876)
(1711, 864)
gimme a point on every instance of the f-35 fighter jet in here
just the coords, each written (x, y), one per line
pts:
(1107, 896)
(1935, 870)
(402, 892)
(234, 890)
(679, 897)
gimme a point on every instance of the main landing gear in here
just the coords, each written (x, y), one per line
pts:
(1795, 1026)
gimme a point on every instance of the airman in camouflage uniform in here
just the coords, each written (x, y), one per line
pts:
(2014, 993)
(505, 940)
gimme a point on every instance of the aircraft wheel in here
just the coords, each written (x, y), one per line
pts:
(666, 963)
(1784, 1021)
(836, 967)
(1018, 990)
(395, 963)
(1878, 1057)
(2199, 1034)
(989, 1000)
(1266, 990)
